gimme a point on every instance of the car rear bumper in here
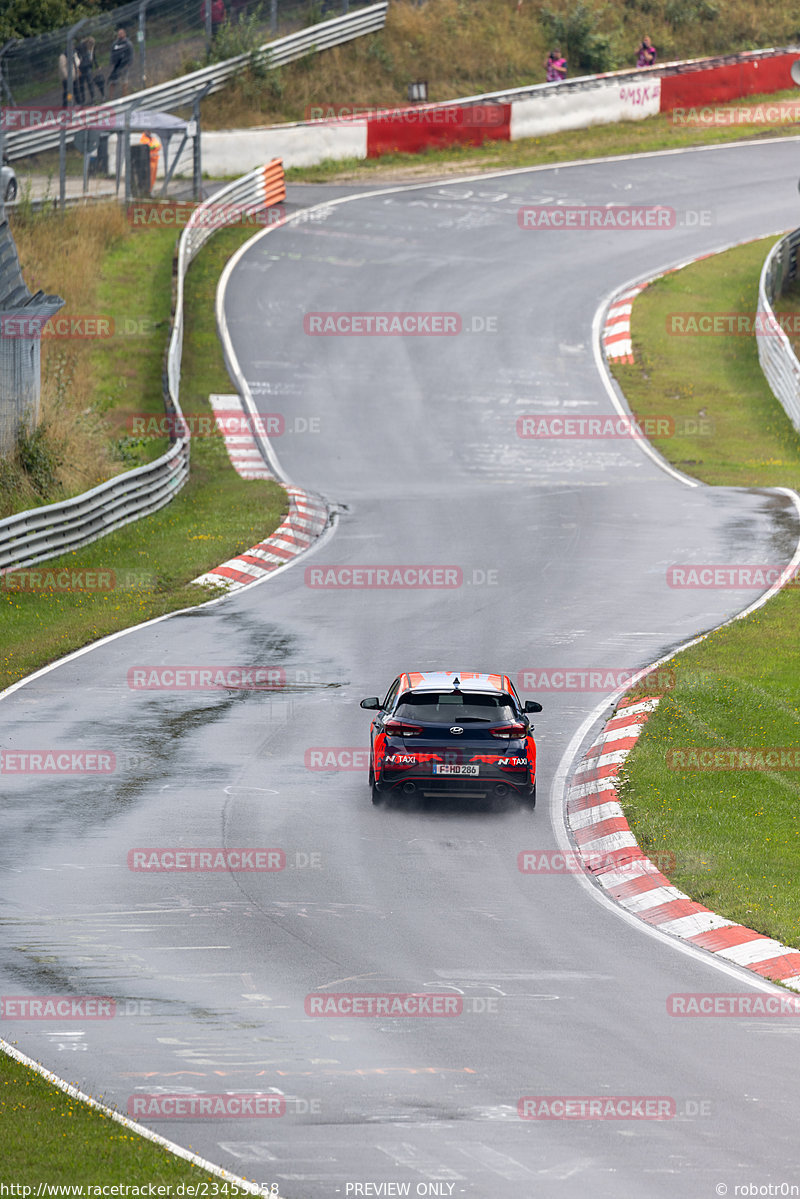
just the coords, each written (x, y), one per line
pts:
(457, 786)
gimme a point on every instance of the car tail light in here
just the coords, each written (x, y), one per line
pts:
(399, 728)
(506, 731)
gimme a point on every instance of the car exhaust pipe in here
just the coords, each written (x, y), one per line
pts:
(409, 788)
(501, 789)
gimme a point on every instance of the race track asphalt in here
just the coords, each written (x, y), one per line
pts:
(563, 547)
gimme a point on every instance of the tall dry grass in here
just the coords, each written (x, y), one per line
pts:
(62, 255)
(464, 47)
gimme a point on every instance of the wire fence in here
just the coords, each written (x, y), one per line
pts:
(22, 316)
(166, 38)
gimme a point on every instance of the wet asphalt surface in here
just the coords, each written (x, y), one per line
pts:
(563, 548)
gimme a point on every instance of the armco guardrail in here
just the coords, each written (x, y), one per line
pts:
(43, 533)
(775, 353)
(178, 93)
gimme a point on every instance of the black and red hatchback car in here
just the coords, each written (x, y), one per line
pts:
(452, 734)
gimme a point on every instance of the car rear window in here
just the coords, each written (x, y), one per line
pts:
(449, 708)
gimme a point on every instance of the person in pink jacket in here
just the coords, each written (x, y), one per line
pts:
(647, 53)
(556, 66)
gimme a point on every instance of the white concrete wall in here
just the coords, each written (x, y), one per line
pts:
(236, 151)
(607, 102)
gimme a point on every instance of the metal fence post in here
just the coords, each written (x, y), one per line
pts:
(207, 15)
(141, 39)
(127, 136)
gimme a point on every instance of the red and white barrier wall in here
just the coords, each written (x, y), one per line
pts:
(504, 116)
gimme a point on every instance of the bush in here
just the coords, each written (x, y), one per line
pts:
(575, 32)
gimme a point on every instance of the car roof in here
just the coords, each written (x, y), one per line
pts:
(442, 680)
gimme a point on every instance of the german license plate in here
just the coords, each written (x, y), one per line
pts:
(472, 770)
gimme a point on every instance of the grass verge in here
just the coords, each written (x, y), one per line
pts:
(151, 562)
(58, 1139)
(735, 834)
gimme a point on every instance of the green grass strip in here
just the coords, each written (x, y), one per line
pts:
(51, 1137)
(734, 834)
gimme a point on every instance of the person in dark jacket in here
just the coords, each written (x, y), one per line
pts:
(121, 59)
(647, 53)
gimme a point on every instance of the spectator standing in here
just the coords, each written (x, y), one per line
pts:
(87, 65)
(63, 75)
(646, 54)
(121, 59)
(556, 66)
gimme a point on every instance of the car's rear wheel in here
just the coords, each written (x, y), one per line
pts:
(377, 797)
(530, 800)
